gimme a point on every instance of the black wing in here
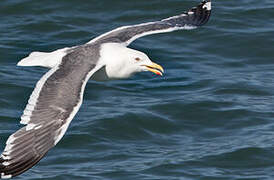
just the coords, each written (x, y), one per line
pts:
(193, 18)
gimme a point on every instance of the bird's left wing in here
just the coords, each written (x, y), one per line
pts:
(193, 18)
(54, 102)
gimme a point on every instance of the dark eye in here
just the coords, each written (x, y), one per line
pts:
(137, 59)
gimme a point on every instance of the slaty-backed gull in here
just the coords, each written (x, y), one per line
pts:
(58, 95)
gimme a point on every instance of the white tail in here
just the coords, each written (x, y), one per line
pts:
(44, 59)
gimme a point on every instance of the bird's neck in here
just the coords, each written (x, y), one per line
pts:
(115, 57)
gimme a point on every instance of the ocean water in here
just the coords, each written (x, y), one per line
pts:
(210, 117)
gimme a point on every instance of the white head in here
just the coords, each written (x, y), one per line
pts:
(122, 62)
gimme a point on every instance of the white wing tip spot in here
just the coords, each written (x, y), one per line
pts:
(3, 176)
(6, 163)
(5, 157)
(207, 6)
(190, 12)
(188, 27)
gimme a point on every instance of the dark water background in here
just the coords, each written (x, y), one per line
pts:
(210, 117)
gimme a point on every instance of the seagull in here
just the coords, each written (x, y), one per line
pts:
(58, 95)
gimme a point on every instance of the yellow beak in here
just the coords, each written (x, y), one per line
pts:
(155, 68)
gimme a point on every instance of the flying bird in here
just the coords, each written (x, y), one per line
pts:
(58, 95)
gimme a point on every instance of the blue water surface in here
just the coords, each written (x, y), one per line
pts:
(210, 116)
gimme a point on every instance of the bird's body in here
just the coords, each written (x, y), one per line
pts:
(58, 95)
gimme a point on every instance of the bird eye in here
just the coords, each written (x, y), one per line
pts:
(137, 59)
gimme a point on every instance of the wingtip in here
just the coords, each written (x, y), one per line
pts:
(200, 14)
(207, 4)
(2, 166)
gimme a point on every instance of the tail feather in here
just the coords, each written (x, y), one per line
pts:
(44, 59)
